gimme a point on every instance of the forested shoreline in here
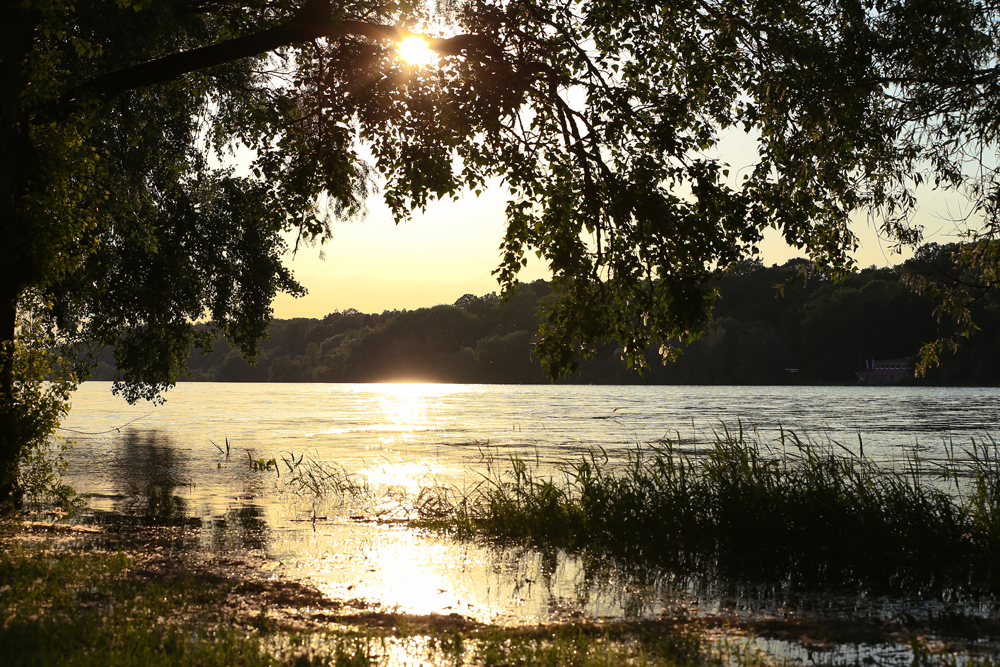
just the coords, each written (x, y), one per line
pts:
(767, 321)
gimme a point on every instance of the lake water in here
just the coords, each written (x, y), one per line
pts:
(159, 465)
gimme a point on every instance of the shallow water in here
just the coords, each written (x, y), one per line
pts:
(155, 467)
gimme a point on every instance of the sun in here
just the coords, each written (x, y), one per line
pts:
(414, 50)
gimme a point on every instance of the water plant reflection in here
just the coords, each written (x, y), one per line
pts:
(242, 529)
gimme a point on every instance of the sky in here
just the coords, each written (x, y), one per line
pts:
(373, 265)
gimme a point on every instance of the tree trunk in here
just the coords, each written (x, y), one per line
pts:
(11, 440)
(17, 23)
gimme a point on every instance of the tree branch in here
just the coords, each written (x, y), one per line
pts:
(311, 22)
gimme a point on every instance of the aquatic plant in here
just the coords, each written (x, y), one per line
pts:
(309, 475)
(792, 511)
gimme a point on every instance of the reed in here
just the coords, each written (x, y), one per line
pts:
(791, 511)
(307, 475)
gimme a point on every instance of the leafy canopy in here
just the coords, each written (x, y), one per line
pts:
(603, 120)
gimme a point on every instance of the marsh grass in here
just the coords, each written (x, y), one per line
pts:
(793, 511)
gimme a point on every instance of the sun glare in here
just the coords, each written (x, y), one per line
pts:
(414, 51)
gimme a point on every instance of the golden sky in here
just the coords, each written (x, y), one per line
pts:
(373, 265)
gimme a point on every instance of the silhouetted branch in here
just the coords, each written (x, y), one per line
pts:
(312, 21)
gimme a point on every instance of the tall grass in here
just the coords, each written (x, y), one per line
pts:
(793, 511)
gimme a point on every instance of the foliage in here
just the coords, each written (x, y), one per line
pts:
(43, 381)
(486, 339)
(957, 278)
(40, 475)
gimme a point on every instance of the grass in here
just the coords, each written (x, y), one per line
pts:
(792, 512)
(307, 475)
(82, 609)
(78, 609)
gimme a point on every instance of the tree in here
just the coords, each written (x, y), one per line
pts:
(601, 118)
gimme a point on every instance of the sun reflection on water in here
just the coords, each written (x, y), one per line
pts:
(401, 412)
(403, 570)
(405, 404)
(407, 476)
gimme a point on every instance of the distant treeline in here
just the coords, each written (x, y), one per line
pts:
(767, 321)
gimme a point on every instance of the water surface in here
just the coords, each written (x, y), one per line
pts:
(158, 466)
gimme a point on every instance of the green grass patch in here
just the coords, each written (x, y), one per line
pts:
(83, 609)
(790, 512)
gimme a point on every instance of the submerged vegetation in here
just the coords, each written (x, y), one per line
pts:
(789, 513)
(793, 512)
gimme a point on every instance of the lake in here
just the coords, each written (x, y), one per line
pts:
(158, 465)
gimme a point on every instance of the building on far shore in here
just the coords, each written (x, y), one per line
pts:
(884, 371)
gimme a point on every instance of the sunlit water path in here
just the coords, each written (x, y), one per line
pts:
(158, 463)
